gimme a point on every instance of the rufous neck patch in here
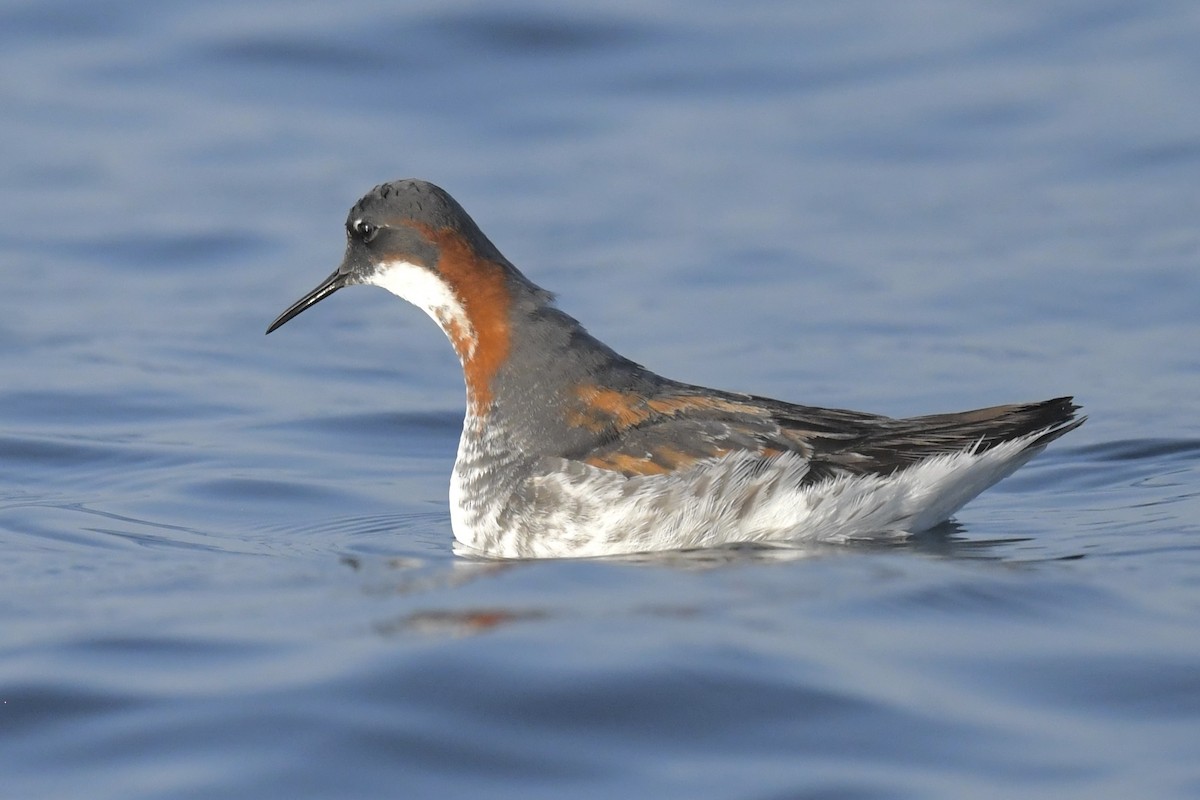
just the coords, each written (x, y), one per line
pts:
(481, 286)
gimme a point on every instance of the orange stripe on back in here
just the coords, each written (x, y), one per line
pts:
(601, 408)
(627, 464)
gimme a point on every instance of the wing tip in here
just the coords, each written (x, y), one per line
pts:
(1061, 419)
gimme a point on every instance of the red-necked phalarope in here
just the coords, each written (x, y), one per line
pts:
(569, 449)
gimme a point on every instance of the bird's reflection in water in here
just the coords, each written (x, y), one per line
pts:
(407, 576)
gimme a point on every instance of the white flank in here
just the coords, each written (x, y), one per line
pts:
(578, 510)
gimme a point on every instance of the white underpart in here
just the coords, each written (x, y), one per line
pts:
(428, 292)
(571, 509)
(431, 294)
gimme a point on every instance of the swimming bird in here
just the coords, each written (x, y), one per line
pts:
(570, 449)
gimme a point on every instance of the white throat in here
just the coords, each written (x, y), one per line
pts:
(431, 294)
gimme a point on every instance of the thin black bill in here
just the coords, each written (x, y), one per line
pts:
(328, 286)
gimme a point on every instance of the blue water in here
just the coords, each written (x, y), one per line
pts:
(225, 565)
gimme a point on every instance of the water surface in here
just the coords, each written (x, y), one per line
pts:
(226, 558)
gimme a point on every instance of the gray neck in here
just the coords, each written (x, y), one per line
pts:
(550, 357)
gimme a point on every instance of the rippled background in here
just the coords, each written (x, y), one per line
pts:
(225, 562)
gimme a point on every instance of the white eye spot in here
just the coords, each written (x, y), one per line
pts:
(363, 230)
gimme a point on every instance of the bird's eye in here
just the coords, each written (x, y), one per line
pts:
(363, 230)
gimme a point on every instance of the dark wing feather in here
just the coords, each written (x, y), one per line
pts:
(898, 443)
(695, 424)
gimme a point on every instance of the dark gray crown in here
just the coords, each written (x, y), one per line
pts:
(411, 199)
(415, 200)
